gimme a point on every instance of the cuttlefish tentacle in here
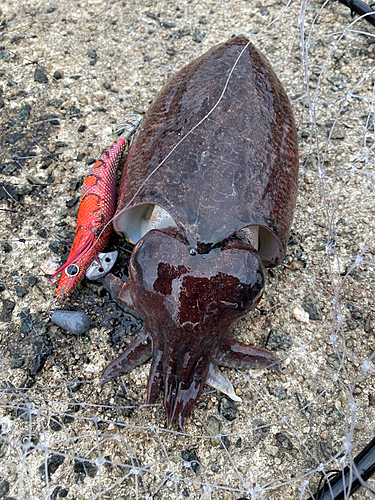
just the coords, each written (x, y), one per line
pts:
(231, 353)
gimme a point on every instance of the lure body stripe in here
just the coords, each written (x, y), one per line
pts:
(97, 208)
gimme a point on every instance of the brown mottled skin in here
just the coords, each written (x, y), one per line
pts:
(237, 168)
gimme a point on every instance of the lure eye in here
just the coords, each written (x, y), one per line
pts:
(72, 270)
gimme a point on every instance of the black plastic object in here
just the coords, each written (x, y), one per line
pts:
(360, 8)
(346, 482)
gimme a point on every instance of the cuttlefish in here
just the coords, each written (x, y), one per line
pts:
(207, 196)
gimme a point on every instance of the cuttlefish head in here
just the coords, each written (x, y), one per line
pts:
(189, 302)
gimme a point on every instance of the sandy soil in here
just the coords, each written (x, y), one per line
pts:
(70, 72)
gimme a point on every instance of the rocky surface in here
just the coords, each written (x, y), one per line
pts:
(69, 73)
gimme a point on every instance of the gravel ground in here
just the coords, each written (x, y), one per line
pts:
(69, 73)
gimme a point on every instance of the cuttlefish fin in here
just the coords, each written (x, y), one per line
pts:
(234, 354)
(137, 353)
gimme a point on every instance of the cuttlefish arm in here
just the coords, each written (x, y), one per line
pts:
(231, 353)
(120, 293)
(218, 381)
(234, 354)
(140, 351)
(137, 352)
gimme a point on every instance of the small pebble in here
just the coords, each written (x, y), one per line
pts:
(4, 54)
(191, 456)
(75, 384)
(75, 184)
(277, 339)
(31, 280)
(320, 244)
(351, 324)
(313, 309)
(301, 315)
(354, 310)
(42, 233)
(17, 363)
(6, 247)
(37, 293)
(368, 326)
(12, 139)
(53, 463)
(7, 309)
(24, 113)
(40, 351)
(50, 266)
(214, 427)
(167, 24)
(26, 321)
(4, 488)
(279, 392)
(197, 37)
(72, 202)
(227, 409)
(271, 450)
(284, 440)
(75, 112)
(55, 424)
(40, 75)
(338, 133)
(92, 54)
(21, 291)
(75, 322)
(85, 467)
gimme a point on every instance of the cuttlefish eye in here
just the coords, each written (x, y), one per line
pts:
(72, 270)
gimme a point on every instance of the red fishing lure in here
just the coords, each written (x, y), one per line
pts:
(94, 226)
